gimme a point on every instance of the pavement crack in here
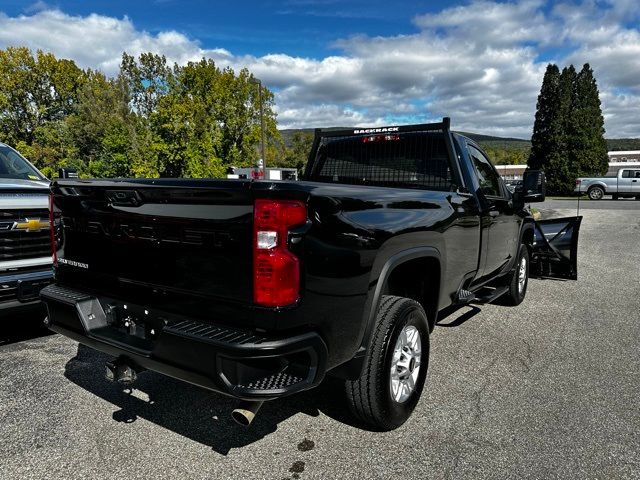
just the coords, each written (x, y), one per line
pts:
(527, 360)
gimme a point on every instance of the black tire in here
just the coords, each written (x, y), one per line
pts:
(370, 397)
(637, 197)
(515, 295)
(595, 193)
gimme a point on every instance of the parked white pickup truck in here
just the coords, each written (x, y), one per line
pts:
(25, 241)
(625, 184)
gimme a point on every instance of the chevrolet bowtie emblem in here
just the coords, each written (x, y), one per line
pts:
(32, 225)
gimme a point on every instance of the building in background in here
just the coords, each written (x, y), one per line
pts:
(617, 160)
(624, 156)
(511, 172)
(621, 159)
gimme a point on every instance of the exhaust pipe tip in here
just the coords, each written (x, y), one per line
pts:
(245, 413)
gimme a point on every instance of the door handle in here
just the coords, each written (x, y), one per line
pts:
(634, 181)
(494, 213)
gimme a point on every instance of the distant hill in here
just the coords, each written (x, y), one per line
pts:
(615, 144)
(489, 141)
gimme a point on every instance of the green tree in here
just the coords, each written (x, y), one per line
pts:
(200, 119)
(149, 79)
(547, 127)
(297, 154)
(587, 146)
(103, 129)
(34, 90)
(151, 120)
(51, 147)
(568, 134)
(557, 166)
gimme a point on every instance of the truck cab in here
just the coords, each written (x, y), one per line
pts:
(25, 243)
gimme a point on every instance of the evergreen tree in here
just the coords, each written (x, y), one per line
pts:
(587, 146)
(547, 126)
(560, 177)
(568, 133)
(549, 142)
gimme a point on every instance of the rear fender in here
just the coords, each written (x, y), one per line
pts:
(555, 248)
(352, 369)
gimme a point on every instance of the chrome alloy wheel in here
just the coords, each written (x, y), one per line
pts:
(405, 364)
(522, 275)
(595, 194)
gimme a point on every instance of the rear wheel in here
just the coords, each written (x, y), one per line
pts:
(596, 193)
(395, 368)
(519, 280)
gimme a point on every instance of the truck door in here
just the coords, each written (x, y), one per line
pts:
(625, 181)
(635, 182)
(500, 225)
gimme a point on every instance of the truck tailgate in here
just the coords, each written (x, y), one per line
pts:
(180, 241)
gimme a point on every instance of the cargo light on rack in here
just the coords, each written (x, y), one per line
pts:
(380, 138)
(276, 270)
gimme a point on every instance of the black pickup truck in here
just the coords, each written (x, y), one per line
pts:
(258, 289)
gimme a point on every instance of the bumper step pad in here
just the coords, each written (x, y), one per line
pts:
(199, 330)
(277, 381)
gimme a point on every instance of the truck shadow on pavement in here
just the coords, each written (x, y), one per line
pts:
(450, 318)
(193, 412)
(23, 325)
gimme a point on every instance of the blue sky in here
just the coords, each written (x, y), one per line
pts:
(298, 27)
(359, 62)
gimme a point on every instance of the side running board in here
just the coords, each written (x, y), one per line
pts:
(483, 296)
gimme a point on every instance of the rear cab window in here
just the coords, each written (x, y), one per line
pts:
(404, 160)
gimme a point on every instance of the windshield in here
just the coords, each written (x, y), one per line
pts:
(14, 165)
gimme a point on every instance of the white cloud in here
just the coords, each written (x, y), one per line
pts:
(479, 63)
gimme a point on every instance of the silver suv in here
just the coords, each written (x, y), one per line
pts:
(25, 242)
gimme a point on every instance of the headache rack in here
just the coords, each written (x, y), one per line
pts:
(405, 156)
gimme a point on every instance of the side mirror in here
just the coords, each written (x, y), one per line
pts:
(533, 186)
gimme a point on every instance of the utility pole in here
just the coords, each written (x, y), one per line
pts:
(259, 83)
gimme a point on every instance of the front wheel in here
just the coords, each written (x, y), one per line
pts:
(518, 281)
(395, 368)
(596, 193)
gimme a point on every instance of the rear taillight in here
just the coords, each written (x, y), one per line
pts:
(276, 270)
(578, 181)
(52, 232)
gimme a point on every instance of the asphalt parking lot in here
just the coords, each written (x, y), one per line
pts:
(545, 390)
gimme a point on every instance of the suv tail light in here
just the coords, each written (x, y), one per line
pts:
(276, 270)
(52, 232)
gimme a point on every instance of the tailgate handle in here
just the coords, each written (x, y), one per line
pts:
(129, 198)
